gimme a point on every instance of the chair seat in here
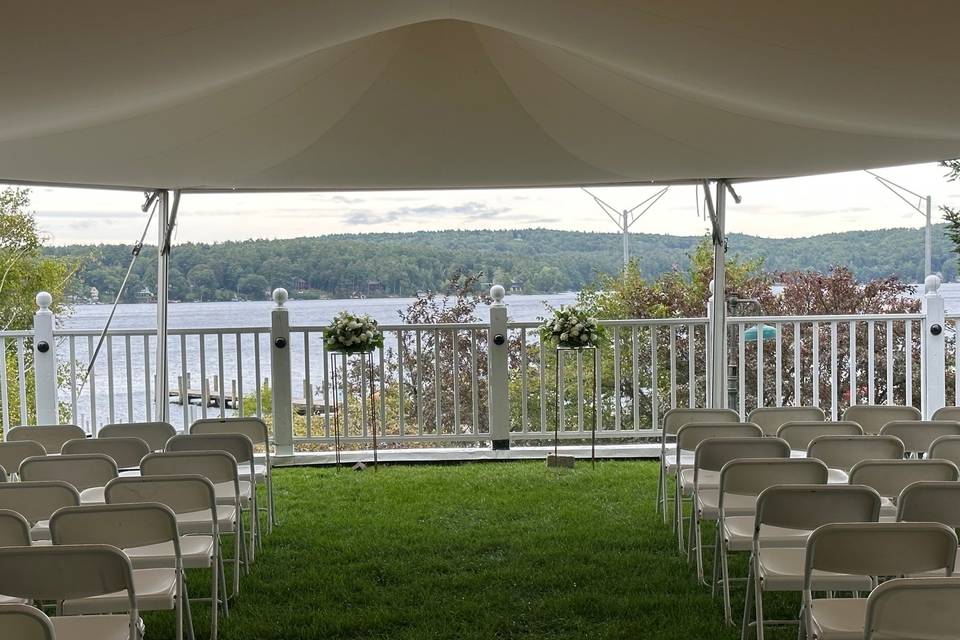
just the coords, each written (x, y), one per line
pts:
(838, 618)
(708, 502)
(109, 627)
(707, 480)
(196, 551)
(40, 531)
(93, 495)
(782, 570)
(738, 533)
(888, 508)
(11, 600)
(156, 590)
(837, 476)
(259, 469)
(670, 463)
(199, 522)
(225, 493)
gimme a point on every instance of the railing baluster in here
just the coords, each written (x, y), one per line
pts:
(871, 353)
(474, 386)
(524, 393)
(401, 407)
(5, 390)
(760, 402)
(258, 391)
(797, 365)
(834, 395)
(21, 380)
(635, 376)
(383, 395)
(852, 363)
(146, 378)
(437, 401)
(673, 366)
(204, 398)
(110, 398)
(691, 367)
(543, 387)
(908, 363)
(654, 378)
(345, 391)
(580, 408)
(307, 387)
(418, 345)
(74, 418)
(129, 365)
(326, 390)
(92, 386)
(815, 375)
(238, 401)
(185, 383)
(778, 363)
(889, 358)
(616, 378)
(741, 371)
(223, 383)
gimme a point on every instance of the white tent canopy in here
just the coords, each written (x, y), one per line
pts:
(358, 94)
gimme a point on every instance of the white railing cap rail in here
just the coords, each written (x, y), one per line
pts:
(854, 317)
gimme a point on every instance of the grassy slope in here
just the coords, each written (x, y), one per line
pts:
(473, 551)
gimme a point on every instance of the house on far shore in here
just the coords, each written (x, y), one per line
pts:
(145, 296)
(516, 286)
(375, 288)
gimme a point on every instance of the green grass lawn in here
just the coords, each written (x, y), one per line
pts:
(509, 550)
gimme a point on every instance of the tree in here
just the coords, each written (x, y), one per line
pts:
(253, 286)
(951, 216)
(24, 271)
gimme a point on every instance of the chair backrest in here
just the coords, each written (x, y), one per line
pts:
(945, 448)
(83, 471)
(216, 466)
(771, 419)
(676, 418)
(23, 622)
(842, 452)
(880, 549)
(37, 501)
(155, 434)
(236, 444)
(872, 417)
(64, 572)
(14, 529)
(50, 436)
(253, 428)
(186, 493)
(13, 453)
(918, 435)
(122, 525)
(930, 501)
(805, 506)
(800, 434)
(915, 608)
(711, 454)
(125, 452)
(749, 477)
(890, 477)
(692, 434)
(946, 413)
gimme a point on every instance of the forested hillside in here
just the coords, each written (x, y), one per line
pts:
(538, 260)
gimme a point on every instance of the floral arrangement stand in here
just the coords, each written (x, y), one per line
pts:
(573, 330)
(349, 335)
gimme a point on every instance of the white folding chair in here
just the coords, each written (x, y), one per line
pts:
(890, 477)
(128, 526)
(155, 434)
(192, 499)
(709, 458)
(37, 501)
(672, 421)
(786, 516)
(89, 473)
(23, 622)
(50, 436)
(840, 453)
(770, 419)
(741, 482)
(801, 434)
(68, 572)
(918, 435)
(947, 413)
(240, 447)
(14, 532)
(219, 468)
(872, 417)
(945, 448)
(688, 437)
(874, 549)
(125, 452)
(914, 608)
(14, 453)
(255, 429)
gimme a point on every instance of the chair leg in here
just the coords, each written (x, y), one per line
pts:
(216, 569)
(222, 572)
(725, 577)
(271, 513)
(758, 598)
(716, 565)
(237, 551)
(188, 612)
(661, 493)
(747, 602)
(678, 518)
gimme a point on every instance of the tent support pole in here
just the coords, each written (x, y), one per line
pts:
(718, 307)
(161, 388)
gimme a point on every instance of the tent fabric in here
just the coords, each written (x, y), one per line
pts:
(362, 94)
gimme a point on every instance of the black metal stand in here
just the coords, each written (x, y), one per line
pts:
(366, 364)
(561, 351)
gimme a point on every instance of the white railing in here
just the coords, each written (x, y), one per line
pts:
(472, 383)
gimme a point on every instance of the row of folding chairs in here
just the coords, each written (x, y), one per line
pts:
(127, 443)
(784, 510)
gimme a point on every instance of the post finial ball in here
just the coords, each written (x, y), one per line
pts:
(44, 300)
(931, 283)
(497, 292)
(280, 296)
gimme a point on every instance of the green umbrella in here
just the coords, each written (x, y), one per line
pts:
(769, 333)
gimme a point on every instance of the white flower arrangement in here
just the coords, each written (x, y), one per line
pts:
(352, 334)
(572, 328)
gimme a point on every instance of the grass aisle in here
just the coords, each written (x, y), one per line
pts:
(472, 551)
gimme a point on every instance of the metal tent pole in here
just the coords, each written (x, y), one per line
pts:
(161, 395)
(718, 306)
(928, 241)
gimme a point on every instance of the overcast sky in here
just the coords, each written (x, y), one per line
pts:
(776, 208)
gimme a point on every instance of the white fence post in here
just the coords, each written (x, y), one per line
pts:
(45, 361)
(498, 404)
(932, 349)
(280, 377)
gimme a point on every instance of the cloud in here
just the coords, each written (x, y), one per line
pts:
(369, 218)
